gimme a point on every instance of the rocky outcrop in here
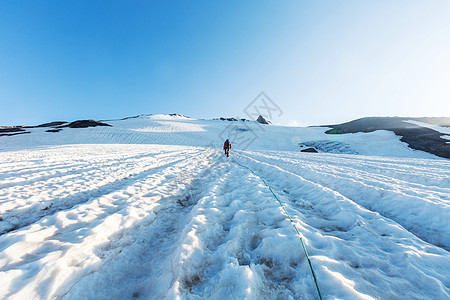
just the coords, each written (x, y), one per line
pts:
(310, 150)
(262, 120)
(51, 124)
(84, 124)
(10, 131)
(179, 115)
(53, 130)
(231, 119)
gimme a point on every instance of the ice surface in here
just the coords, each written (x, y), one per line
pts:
(152, 209)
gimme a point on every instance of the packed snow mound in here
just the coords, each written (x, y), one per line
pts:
(180, 130)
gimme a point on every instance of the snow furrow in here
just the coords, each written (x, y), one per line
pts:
(422, 173)
(66, 173)
(17, 218)
(165, 217)
(147, 262)
(62, 165)
(339, 232)
(225, 246)
(84, 228)
(411, 211)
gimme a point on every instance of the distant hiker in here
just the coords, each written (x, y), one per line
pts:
(227, 147)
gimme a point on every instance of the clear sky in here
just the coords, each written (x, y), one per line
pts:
(322, 62)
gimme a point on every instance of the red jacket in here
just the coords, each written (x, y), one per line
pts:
(229, 144)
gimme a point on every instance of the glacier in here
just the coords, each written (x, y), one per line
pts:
(150, 208)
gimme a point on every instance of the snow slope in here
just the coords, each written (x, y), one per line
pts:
(177, 130)
(152, 209)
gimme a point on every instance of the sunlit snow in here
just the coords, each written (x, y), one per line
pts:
(151, 209)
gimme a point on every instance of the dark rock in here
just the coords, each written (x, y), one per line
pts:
(13, 130)
(262, 120)
(84, 124)
(311, 150)
(10, 129)
(228, 119)
(15, 133)
(53, 130)
(178, 115)
(231, 119)
(51, 124)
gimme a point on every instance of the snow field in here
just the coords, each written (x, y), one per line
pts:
(178, 130)
(379, 256)
(146, 268)
(71, 243)
(416, 195)
(122, 221)
(28, 195)
(189, 223)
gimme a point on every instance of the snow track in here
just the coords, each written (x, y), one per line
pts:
(393, 191)
(155, 221)
(344, 235)
(75, 185)
(117, 207)
(147, 262)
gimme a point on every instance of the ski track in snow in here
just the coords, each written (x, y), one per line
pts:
(155, 221)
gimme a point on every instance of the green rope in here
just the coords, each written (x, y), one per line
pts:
(292, 222)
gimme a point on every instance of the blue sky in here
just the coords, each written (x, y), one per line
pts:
(322, 62)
